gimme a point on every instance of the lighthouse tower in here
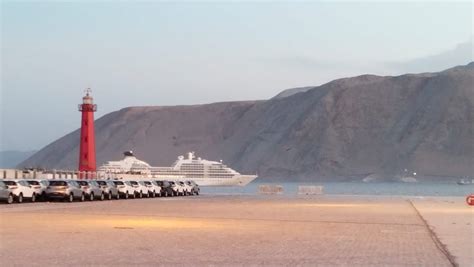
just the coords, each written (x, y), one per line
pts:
(87, 144)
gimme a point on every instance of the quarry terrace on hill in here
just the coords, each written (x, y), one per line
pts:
(345, 129)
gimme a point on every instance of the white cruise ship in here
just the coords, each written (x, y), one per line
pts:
(203, 172)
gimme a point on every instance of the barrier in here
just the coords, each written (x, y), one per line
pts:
(310, 190)
(470, 200)
(270, 189)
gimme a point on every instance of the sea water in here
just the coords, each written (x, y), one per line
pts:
(356, 188)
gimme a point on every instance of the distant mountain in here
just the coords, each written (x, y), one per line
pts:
(9, 159)
(292, 91)
(345, 129)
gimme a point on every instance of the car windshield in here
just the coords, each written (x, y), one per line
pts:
(10, 183)
(102, 182)
(118, 182)
(147, 183)
(82, 183)
(133, 183)
(33, 182)
(57, 183)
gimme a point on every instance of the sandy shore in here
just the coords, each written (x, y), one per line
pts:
(236, 231)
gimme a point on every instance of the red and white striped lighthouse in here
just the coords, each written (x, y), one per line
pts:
(87, 161)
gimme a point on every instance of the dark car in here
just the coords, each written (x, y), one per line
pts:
(166, 189)
(195, 187)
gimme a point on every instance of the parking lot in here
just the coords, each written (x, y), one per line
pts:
(218, 230)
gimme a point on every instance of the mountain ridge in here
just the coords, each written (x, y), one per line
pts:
(348, 127)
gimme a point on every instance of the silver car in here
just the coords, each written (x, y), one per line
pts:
(65, 189)
(92, 189)
(6, 194)
(109, 188)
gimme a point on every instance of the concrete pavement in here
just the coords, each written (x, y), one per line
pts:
(219, 231)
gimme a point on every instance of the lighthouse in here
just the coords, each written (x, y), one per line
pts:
(87, 161)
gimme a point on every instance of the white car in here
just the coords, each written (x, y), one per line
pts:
(21, 190)
(153, 189)
(39, 186)
(156, 187)
(178, 190)
(187, 188)
(125, 189)
(140, 189)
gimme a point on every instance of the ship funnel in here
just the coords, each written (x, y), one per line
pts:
(128, 153)
(190, 155)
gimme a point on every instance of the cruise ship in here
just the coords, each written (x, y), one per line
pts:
(203, 172)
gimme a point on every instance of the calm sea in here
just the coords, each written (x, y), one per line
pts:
(357, 188)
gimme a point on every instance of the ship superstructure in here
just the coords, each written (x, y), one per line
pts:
(203, 172)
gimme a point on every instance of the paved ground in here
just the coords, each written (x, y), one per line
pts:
(452, 221)
(219, 231)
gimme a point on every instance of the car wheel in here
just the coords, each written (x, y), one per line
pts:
(71, 197)
(154, 194)
(91, 196)
(109, 195)
(117, 196)
(10, 199)
(43, 196)
(126, 195)
(197, 193)
(140, 195)
(134, 195)
(20, 198)
(33, 197)
(83, 197)
(102, 196)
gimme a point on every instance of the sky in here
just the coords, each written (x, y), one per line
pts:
(180, 53)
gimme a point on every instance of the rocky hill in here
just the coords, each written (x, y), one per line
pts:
(345, 129)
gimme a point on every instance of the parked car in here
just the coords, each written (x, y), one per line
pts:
(40, 187)
(21, 190)
(91, 189)
(166, 189)
(187, 188)
(153, 188)
(138, 189)
(125, 189)
(6, 194)
(65, 189)
(178, 190)
(109, 188)
(195, 190)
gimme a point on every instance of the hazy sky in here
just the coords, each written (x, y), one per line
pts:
(158, 53)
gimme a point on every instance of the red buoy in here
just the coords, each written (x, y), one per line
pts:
(470, 200)
(87, 162)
